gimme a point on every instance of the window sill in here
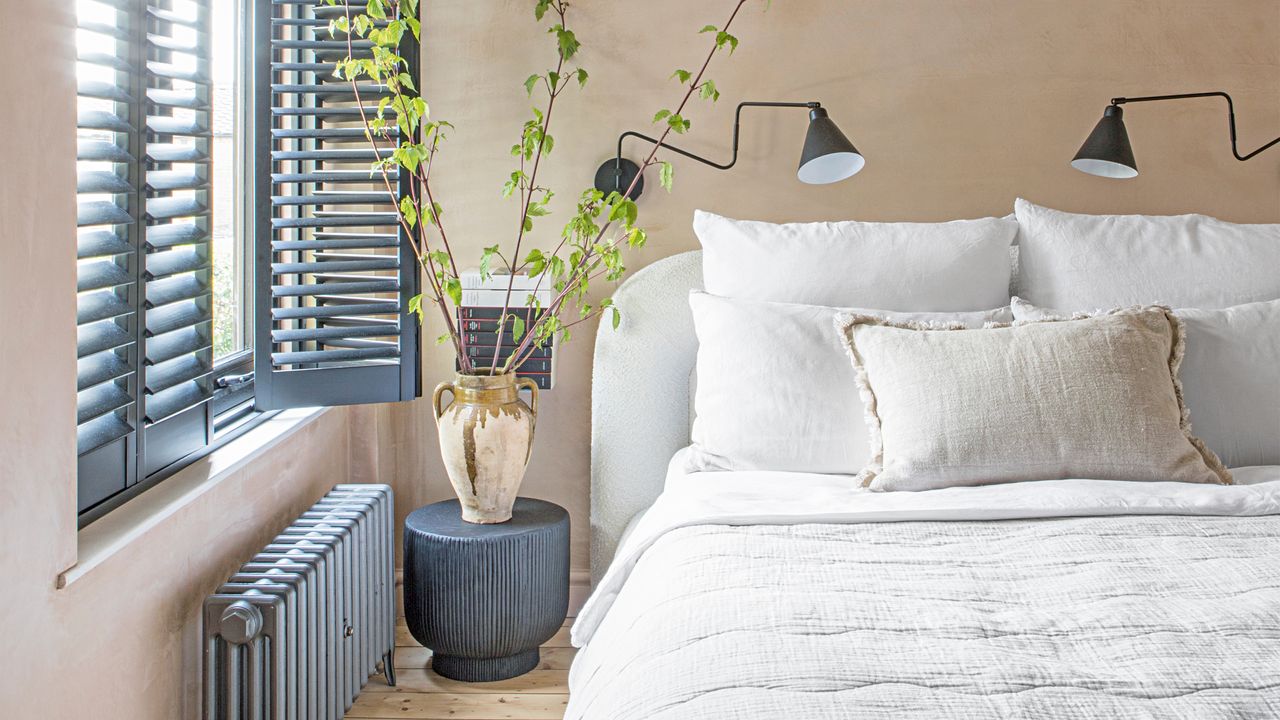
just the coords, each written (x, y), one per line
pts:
(129, 522)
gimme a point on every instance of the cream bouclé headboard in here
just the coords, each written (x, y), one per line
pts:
(640, 396)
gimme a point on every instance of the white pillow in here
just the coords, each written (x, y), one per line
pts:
(1082, 262)
(775, 390)
(958, 265)
(1230, 378)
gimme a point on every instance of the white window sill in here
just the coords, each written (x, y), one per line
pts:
(129, 522)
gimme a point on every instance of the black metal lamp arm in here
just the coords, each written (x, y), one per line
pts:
(1231, 115)
(737, 120)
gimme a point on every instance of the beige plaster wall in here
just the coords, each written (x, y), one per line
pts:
(959, 106)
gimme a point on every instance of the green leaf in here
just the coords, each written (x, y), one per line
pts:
(408, 210)
(439, 257)
(541, 9)
(453, 288)
(512, 184)
(682, 75)
(723, 37)
(486, 259)
(536, 262)
(708, 28)
(665, 175)
(528, 223)
(517, 326)
(708, 90)
(582, 77)
(658, 116)
(568, 42)
(617, 317)
(530, 82)
(415, 306)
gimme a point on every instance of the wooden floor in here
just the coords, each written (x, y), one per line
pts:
(420, 693)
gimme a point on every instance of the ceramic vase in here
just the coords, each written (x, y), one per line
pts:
(486, 435)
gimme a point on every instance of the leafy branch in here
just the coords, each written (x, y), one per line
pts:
(591, 256)
(406, 141)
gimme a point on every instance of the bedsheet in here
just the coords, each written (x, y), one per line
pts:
(782, 595)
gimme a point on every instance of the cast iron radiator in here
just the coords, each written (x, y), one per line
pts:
(298, 630)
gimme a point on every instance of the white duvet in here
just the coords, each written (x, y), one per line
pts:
(771, 595)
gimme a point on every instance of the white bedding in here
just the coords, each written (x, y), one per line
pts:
(766, 594)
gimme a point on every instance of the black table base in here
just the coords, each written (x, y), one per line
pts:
(483, 598)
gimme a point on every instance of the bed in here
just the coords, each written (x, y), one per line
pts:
(765, 594)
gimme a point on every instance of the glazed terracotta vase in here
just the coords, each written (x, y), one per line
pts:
(486, 435)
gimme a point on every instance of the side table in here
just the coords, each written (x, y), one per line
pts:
(483, 598)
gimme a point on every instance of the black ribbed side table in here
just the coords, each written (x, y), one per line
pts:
(484, 597)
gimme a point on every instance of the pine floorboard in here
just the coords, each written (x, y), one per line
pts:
(421, 694)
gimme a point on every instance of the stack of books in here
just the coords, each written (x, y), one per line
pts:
(478, 321)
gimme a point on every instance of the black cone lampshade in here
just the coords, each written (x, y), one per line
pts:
(1106, 152)
(828, 156)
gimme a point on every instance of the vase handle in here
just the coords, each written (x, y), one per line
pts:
(435, 398)
(533, 390)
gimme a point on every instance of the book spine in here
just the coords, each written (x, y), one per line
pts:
(533, 367)
(521, 283)
(485, 353)
(495, 298)
(491, 314)
(542, 379)
(482, 325)
(490, 339)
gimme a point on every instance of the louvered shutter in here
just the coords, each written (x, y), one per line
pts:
(334, 272)
(107, 246)
(144, 308)
(178, 303)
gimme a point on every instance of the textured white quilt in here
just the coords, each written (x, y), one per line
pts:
(768, 595)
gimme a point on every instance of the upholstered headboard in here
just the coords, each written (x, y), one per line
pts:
(640, 396)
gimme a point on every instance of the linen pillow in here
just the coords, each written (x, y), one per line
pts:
(917, 267)
(1078, 262)
(1095, 398)
(1230, 377)
(774, 388)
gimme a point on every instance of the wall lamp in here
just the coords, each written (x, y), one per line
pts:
(1107, 153)
(827, 156)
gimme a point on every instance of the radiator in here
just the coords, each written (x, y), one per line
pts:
(298, 630)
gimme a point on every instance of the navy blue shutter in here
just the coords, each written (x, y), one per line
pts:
(108, 240)
(334, 270)
(143, 287)
(177, 307)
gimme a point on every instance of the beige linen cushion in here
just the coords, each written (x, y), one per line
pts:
(1093, 397)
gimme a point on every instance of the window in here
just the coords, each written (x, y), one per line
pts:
(225, 205)
(157, 195)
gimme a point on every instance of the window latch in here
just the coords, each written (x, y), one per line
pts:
(233, 381)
